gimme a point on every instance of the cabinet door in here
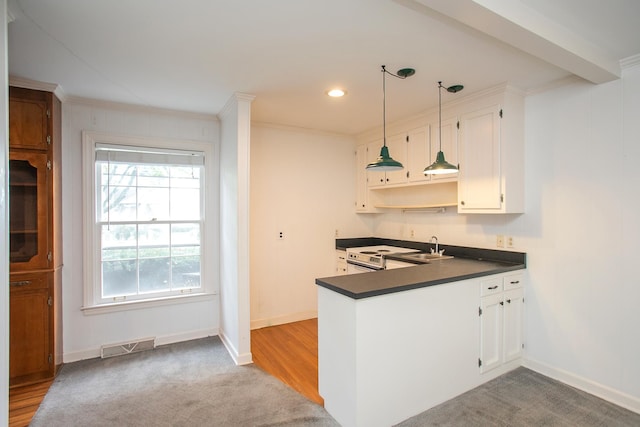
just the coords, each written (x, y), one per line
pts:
(361, 179)
(30, 338)
(513, 331)
(491, 324)
(418, 156)
(449, 147)
(398, 151)
(28, 211)
(479, 185)
(29, 116)
(374, 179)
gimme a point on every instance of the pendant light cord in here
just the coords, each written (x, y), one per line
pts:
(440, 113)
(384, 107)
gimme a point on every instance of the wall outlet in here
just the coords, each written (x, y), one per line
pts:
(412, 233)
(510, 241)
(281, 235)
(500, 241)
(337, 233)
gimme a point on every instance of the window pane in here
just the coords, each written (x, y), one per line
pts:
(118, 203)
(155, 274)
(187, 234)
(186, 272)
(153, 203)
(119, 242)
(185, 204)
(153, 240)
(119, 278)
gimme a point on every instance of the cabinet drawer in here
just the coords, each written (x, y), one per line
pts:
(513, 281)
(490, 286)
(25, 282)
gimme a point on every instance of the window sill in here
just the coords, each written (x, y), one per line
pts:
(148, 303)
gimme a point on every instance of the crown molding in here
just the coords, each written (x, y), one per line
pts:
(630, 62)
(111, 105)
(37, 85)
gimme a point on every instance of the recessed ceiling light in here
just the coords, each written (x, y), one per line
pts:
(336, 93)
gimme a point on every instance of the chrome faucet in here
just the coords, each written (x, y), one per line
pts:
(431, 241)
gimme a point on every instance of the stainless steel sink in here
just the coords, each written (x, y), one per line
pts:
(427, 256)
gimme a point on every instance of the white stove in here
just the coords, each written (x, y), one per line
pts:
(371, 258)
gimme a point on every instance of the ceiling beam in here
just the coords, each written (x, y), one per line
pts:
(520, 26)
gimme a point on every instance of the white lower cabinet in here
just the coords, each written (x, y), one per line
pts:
(501, 320)
(341, 262)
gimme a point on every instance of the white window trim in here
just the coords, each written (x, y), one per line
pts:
(91, 303)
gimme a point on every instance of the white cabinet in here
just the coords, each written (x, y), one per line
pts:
(483, 134)
(501, 320)
(341, 262)
(362, 190)
(397, 145)
(418, 142)
(449, 147)
(491, 157)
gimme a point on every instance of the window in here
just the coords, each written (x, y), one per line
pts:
(147, 219)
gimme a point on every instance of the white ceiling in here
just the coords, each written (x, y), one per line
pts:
(192, 55)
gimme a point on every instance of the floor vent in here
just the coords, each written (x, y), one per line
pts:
(127, 348)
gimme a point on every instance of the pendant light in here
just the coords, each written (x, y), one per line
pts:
(441, 166)
(384, 162)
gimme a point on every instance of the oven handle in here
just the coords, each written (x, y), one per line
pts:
(370, 267)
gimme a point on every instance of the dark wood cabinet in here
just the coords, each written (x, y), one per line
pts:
(35, 247)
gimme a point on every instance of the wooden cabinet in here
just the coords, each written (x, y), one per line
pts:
(501, 320)
(35, 247)
(491, 176)
(31, 320)
(29, 241)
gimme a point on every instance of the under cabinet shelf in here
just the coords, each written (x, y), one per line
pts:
(440, 207)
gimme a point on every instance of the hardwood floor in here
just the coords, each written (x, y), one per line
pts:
(289, 352)
(24, 402)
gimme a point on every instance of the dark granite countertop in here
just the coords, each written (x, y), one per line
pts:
(468, 263)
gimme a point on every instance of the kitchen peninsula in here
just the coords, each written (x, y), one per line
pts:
(394, 343)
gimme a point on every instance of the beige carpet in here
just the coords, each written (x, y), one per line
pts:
(525, 398)
(187, 384)
(196, 384)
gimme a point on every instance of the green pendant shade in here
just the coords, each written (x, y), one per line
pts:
(384, 162)
(440, 166)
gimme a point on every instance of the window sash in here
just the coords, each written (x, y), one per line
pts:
(157, 265)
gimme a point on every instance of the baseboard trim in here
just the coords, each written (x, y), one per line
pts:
(161, 340)
(238, 359)
(607, 393)
(280, 320)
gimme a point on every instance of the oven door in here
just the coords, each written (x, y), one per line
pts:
(353, 268)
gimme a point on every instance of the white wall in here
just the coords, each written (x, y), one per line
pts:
(234, 226)
(583, 300)
(83, 334)
(303, 184)
(580, 232)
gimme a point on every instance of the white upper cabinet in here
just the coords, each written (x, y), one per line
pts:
(449, 147)
(479, 182)
(483, 134)
(491, 157)
(418, 141)
(398, 151)
(362, 192)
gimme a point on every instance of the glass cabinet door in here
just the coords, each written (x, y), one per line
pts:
(28, 211)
